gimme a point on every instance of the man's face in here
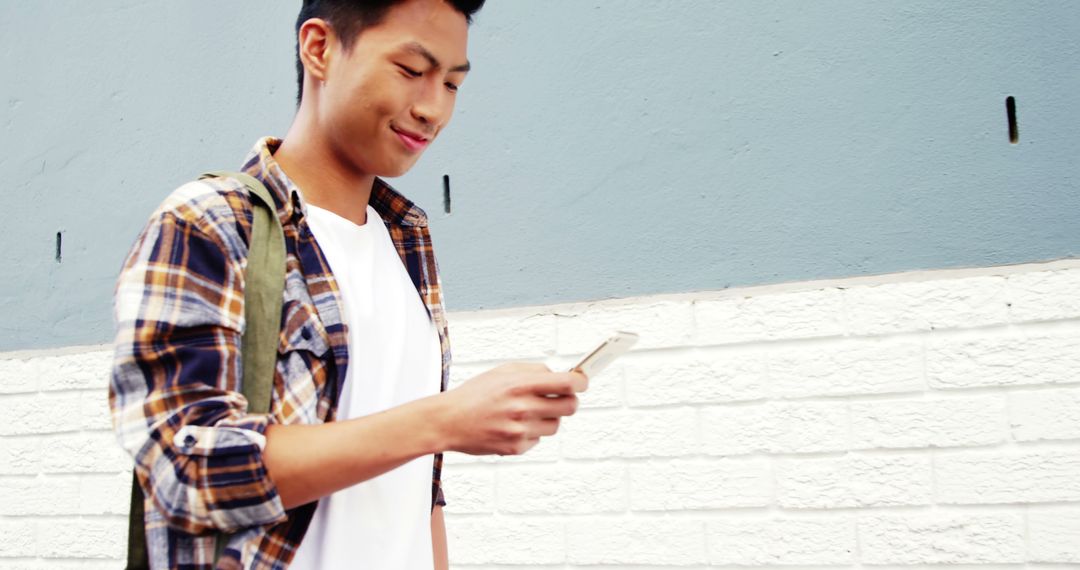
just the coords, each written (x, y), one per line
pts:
(386, 100)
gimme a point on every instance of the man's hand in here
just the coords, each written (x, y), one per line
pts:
(507, 409)
(503, 411)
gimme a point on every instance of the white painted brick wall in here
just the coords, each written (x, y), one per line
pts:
(896, 421)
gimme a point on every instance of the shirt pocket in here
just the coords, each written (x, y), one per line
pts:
(302, 331)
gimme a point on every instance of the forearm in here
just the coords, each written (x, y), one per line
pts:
(438, 539)
(308, 462)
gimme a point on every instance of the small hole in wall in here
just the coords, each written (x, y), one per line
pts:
(446, 193)
(59, 246)
(1010, 111)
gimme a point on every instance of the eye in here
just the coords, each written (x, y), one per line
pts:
(451, 87)
(409, 71)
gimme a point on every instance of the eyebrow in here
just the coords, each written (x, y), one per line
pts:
(415, 47)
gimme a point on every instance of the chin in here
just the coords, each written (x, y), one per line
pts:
(398, 169)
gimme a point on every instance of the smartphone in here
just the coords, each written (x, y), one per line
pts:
(597, 360)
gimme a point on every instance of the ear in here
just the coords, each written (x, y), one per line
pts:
(315, 39)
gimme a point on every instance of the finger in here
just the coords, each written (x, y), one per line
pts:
(527, 366)
(560, 384)
(546, 426)
(529, 444)
(579, 379)
(559, 406)
(552, 386)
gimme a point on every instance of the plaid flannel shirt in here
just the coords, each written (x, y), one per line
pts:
(174, 393)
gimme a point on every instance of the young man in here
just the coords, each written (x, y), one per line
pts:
(344, 472)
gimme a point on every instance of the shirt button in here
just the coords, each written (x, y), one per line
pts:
(190, 441)
(305, 333)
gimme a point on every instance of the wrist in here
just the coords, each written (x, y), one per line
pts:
(433, 411)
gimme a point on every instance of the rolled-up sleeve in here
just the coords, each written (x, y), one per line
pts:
(440, 498)
(174, 391)
(437, 497)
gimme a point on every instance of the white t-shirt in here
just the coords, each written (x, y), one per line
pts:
(394, 358)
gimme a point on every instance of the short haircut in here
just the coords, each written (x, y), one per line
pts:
(350, 17)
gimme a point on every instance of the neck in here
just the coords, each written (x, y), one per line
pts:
(324, 177)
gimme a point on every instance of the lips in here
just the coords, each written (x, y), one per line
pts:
(413, 141)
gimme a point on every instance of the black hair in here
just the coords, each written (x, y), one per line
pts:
(350, 17)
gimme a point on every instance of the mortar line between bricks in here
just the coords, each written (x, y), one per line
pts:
(1010, 437)
(102, 390)
(945, 333)
(61, 559)
(72, 517)
(834, 398)
(57, 473)
(758, 344)
(1025, 514)
(856, 543)
(1005, 389)
(1054, 445)
(1022, 447)
(767, 513)
(84, 432)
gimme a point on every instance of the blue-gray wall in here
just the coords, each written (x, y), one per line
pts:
(600, 149)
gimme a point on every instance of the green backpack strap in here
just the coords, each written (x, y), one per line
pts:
(264, 286)
(137, 557)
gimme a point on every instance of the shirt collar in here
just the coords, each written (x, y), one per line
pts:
(391, 206)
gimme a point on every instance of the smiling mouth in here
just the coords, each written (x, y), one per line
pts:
(412, 141)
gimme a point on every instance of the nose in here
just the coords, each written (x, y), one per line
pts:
(432, 107)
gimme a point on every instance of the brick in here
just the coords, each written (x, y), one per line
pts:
(854, 481)
(927, 305)
(1044, 295)
(724, 321)
(633, 433)
(19, 374)
(81, 371)
(39, 495)
(1013, 358)
(942, 538)
(775, 427)
(481, 336)
(85, 564)
(1045, 414)
(84, 452)
(660, 324)
(562, 488)
(849, 367)
(108, 494)
(84, 538)
(469, 488)
(1054, 534)
(987, 478)
(776, 316)
(95, 413)
(700, 484)
(19, 538)
(54, 412)
(928, 423)
(704, 377)
(671, 542)
(780, 541)
(506, 540)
